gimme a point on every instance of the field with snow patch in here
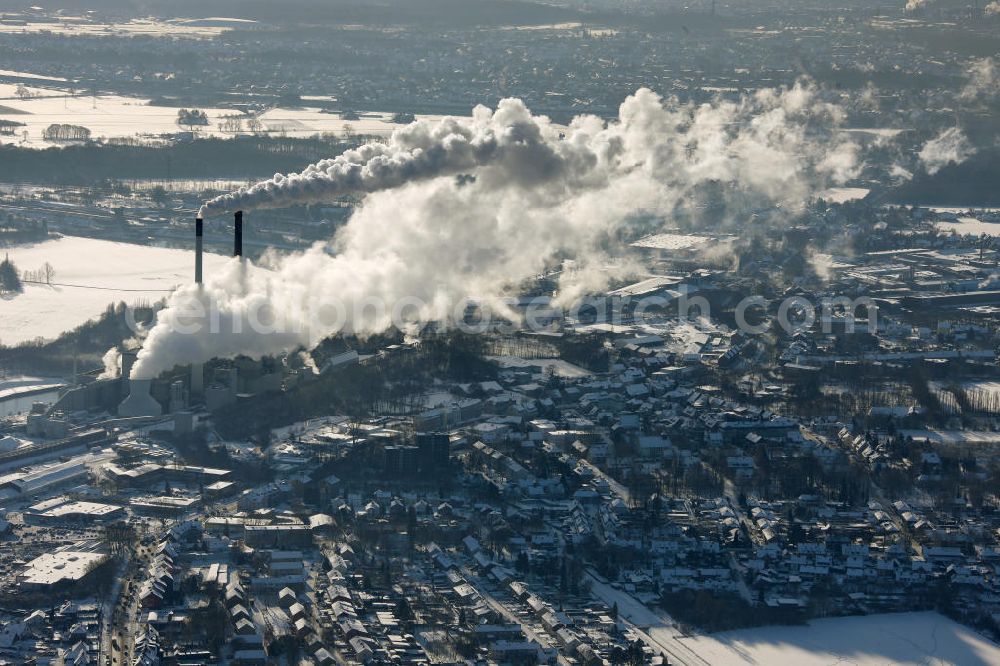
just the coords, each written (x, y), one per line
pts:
(50, 101)
(892, 639)
(106, 116)
(928, 639)
(968, 226)
(89, 275)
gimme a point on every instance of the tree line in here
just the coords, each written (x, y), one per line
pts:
(65, 132)
(11, 280)
(90, 163)
(45, 275)
(192, 118)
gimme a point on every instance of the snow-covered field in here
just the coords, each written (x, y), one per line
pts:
(954, 437)
(558, 367)
(968, 226)
(147, 27)
(844, 194)
(874, 640)
(54, 101)
(106, 116)
(983, 395)
(116, 116)
(18, 393)
(897, 639)
(29, 75)
(307, 121)
(101, 272)
(12, 386)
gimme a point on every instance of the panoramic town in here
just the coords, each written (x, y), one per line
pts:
(499, 332)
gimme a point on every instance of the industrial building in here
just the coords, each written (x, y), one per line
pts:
(63, 567)
(54, 475)
(152, 473)
(65, 511)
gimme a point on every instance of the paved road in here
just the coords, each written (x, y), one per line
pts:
(512, 617)
(108, 611)
(616, 488)
(655, 630)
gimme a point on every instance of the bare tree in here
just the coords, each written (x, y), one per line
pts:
(231, 124)
(49, 272)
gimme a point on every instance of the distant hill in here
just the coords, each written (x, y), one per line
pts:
(438, 12)
(971, 183)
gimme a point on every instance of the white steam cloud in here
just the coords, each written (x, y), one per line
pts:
(949, 146)
(900, 174)
(913, 5)
(982, 84)
(521, 147)
(992, 9)
(112, 361)
(464, 208)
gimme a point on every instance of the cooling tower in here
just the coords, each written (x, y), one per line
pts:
(139, 402)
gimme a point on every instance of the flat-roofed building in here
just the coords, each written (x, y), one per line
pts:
(164, 505)
(270, 536)
(50, 570)
(64, 511)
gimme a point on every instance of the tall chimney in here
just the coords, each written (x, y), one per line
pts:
(238, 238)
(199, 230)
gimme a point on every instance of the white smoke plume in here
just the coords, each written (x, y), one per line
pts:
(464, 208)
(900, 174)
(982, 84)
(992, 9)
(309, 362)
(509, 137)
(112, 361)
(914, 5)
(821, 263)
(868, 99)
(951, 145)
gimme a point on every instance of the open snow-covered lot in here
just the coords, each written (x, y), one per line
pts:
(89, 275)
(106, 116)
(928, 639)
(895, 639)
(81, 26)
(50, 101)
(968, 226)
(117, 116)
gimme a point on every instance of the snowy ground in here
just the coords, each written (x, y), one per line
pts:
(979, 390)
(927, 639)
(116, 116)
(54, 101)
(106, 116)
(19, 393)
(968, 226)
(903, 638)
(146, 27)
(843, 194)
(558, 366)
(954, 437)
(16, 385)
(89, 275)
(308, 121)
